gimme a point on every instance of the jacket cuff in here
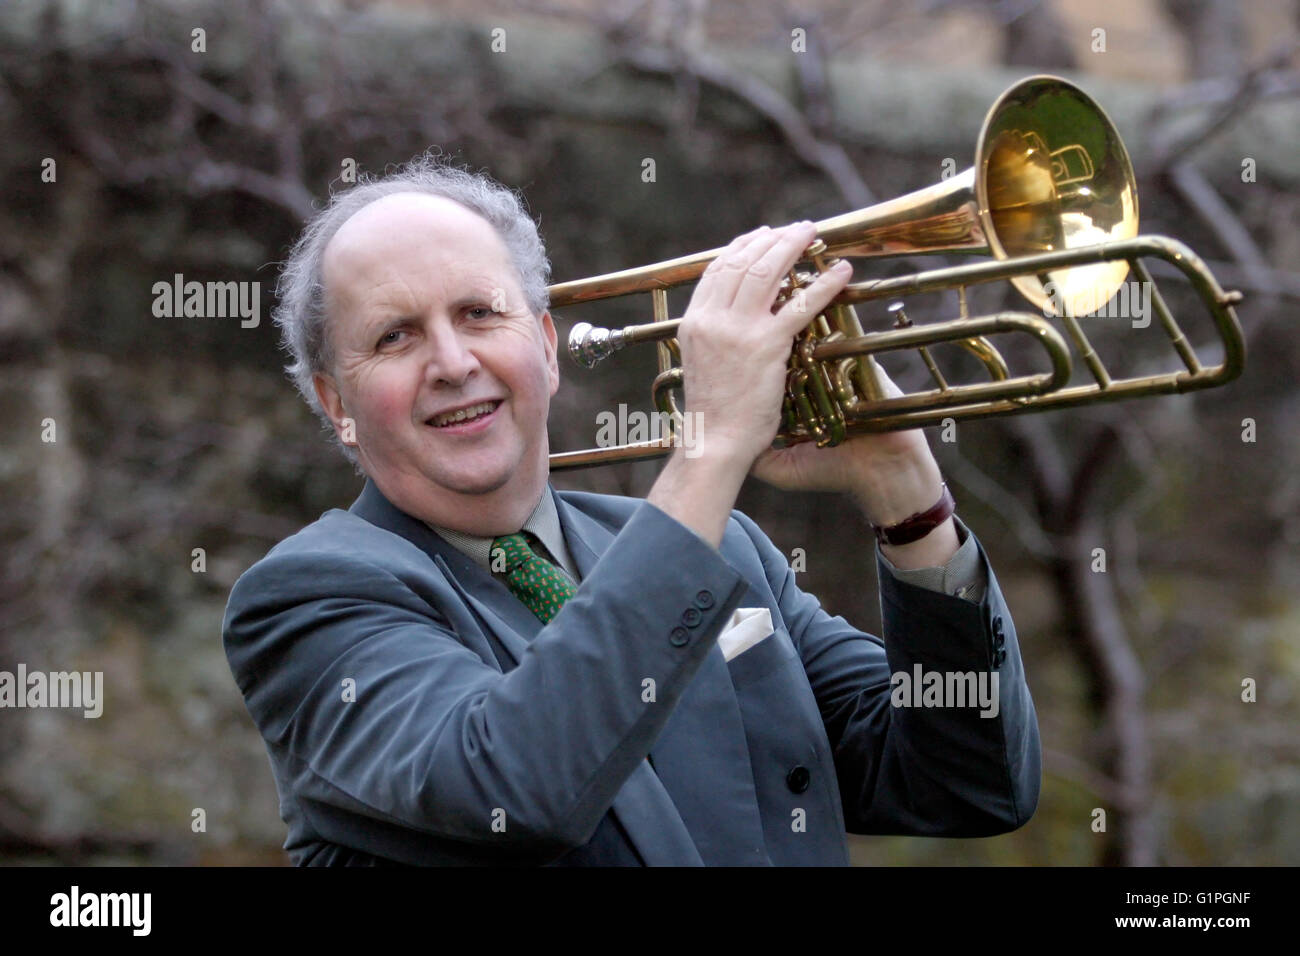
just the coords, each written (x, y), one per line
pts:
(963, 576)
(715, 586)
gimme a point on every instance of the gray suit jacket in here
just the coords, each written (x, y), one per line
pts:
(416, 712)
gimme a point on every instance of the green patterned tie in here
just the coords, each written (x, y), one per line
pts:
(533, 579)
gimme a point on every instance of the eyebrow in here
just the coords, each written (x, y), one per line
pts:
(460, 302)
(473, 298)
(384, 323)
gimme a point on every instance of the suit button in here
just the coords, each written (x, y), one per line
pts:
(998, 642)
(704, 599)
(999, 657)
(691, 617)
(997, 625)
(798, 779)
(678, 636)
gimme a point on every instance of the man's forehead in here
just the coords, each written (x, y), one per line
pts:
(395, 223)
(404, 213)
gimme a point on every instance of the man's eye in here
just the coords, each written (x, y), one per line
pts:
(390, 337)
(480, 312)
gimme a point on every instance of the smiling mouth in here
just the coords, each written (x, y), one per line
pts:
(465, 415)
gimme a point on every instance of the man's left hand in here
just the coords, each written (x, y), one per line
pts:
(891, 476)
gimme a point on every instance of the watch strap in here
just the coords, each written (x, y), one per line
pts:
(917, 526)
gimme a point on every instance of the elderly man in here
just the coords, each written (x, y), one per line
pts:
(469, 667)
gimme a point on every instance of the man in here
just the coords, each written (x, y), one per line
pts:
(630, 682)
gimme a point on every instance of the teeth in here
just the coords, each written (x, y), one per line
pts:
(465, 414)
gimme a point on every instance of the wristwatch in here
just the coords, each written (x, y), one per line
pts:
(920, 524)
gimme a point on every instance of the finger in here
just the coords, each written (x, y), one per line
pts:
(807, 303)
(734, 249)
(726, 273)
(707, 291)
(762, 279)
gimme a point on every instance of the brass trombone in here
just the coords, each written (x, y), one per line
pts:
(1051, 197)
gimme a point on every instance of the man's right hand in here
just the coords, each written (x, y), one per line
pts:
(734, 357)
(735, 351)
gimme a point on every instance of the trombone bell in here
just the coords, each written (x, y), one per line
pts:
(1038, 199)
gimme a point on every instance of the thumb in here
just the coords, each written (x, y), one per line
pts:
(780, 467)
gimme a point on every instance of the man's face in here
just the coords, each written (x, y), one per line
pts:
(426, 317)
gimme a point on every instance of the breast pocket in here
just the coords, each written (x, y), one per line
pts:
(772, 652)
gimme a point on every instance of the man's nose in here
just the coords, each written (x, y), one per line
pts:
(451, 359)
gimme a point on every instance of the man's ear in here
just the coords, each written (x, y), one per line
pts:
(330, 400)
(550, 339)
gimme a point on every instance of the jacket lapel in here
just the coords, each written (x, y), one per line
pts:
(701, 755)
(643, 807)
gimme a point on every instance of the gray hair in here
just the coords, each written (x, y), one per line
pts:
(300, 312)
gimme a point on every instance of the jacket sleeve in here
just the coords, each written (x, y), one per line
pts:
(514, 766)
(917, 770)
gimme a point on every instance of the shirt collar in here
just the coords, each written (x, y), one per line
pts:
(543, 522)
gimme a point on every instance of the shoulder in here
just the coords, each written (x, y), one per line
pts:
(333, 554)
(339, 534)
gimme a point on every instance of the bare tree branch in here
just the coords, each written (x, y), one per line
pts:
(826, 155)
(1210, 208)
(1168, 151)
(1082, 774)
(1001, 501)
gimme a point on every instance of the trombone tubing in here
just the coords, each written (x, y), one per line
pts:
(1162, 247)
(1219, 302)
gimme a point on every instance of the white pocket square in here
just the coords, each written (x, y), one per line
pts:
(748, 626)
